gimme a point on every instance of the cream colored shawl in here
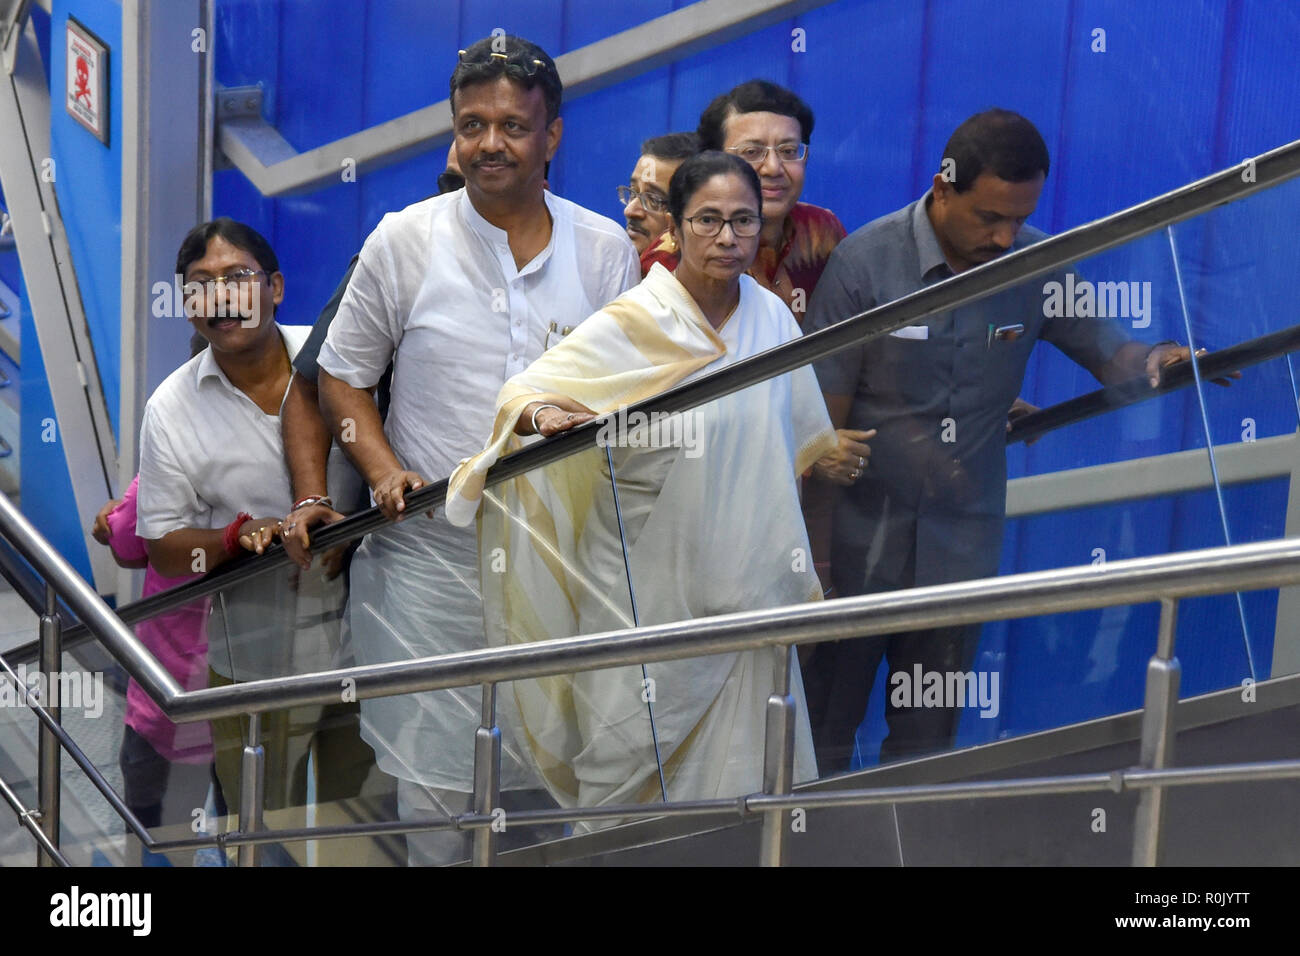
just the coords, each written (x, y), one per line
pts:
(710, 527)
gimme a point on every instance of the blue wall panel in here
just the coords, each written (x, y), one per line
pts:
(405, 76)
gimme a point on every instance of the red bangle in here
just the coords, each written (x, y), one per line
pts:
(230, 540)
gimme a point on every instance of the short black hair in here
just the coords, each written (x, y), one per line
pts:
(449, 181)
(506, 55)
(997, 141)
(756, 96)
(699, 169)
(240, 235)
(672, 146)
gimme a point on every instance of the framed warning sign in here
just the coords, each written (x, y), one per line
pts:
(87, 96)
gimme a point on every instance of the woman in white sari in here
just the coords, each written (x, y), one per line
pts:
(709, 509)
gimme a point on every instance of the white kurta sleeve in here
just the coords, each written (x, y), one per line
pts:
(167, 500)
(368, 326)
(631, 272)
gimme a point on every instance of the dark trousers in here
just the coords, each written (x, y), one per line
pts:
(837, 680)
(150, 779)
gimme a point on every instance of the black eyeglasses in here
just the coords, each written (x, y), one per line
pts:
(744, 226)
(649, 201)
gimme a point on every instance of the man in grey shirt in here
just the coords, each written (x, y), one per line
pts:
(929, 507)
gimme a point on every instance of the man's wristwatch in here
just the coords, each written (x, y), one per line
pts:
(1165, 342)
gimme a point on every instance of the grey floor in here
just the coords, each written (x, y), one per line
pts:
(17, 620)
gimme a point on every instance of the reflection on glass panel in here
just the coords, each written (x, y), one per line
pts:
(414, 593)
(280, 623)
(167, 768)
(1239, 283)
(713, 525)
(317, 769)
(553, 567)
(1060, 669)
(17, 769)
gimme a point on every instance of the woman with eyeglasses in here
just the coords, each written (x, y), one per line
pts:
(707, 514)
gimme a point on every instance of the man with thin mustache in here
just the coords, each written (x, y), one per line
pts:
(459, 292)
(645, 199)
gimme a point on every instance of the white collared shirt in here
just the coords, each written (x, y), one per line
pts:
(437, 285)
(207, 452)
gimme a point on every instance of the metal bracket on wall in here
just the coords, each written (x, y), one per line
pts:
(275, 168)
(240, 109)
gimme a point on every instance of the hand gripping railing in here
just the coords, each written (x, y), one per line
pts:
(1214, 571)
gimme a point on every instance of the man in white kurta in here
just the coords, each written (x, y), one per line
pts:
(438, 292)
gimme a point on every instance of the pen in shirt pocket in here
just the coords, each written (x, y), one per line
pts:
(1004, 333)
(554, 329)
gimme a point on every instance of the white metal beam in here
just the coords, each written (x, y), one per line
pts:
(276, 168)
(1154, 477)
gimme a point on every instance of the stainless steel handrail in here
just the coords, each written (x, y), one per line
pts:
(1167, 577)
(1233, 183)
(1241, 567)
(85, 603)
(1234, 358)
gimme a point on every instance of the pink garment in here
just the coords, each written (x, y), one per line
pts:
(177, 638)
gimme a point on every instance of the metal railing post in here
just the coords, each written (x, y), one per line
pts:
(48, 752)
(251, 789)
(1163, 675)
(778, 760)
(487, 777)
